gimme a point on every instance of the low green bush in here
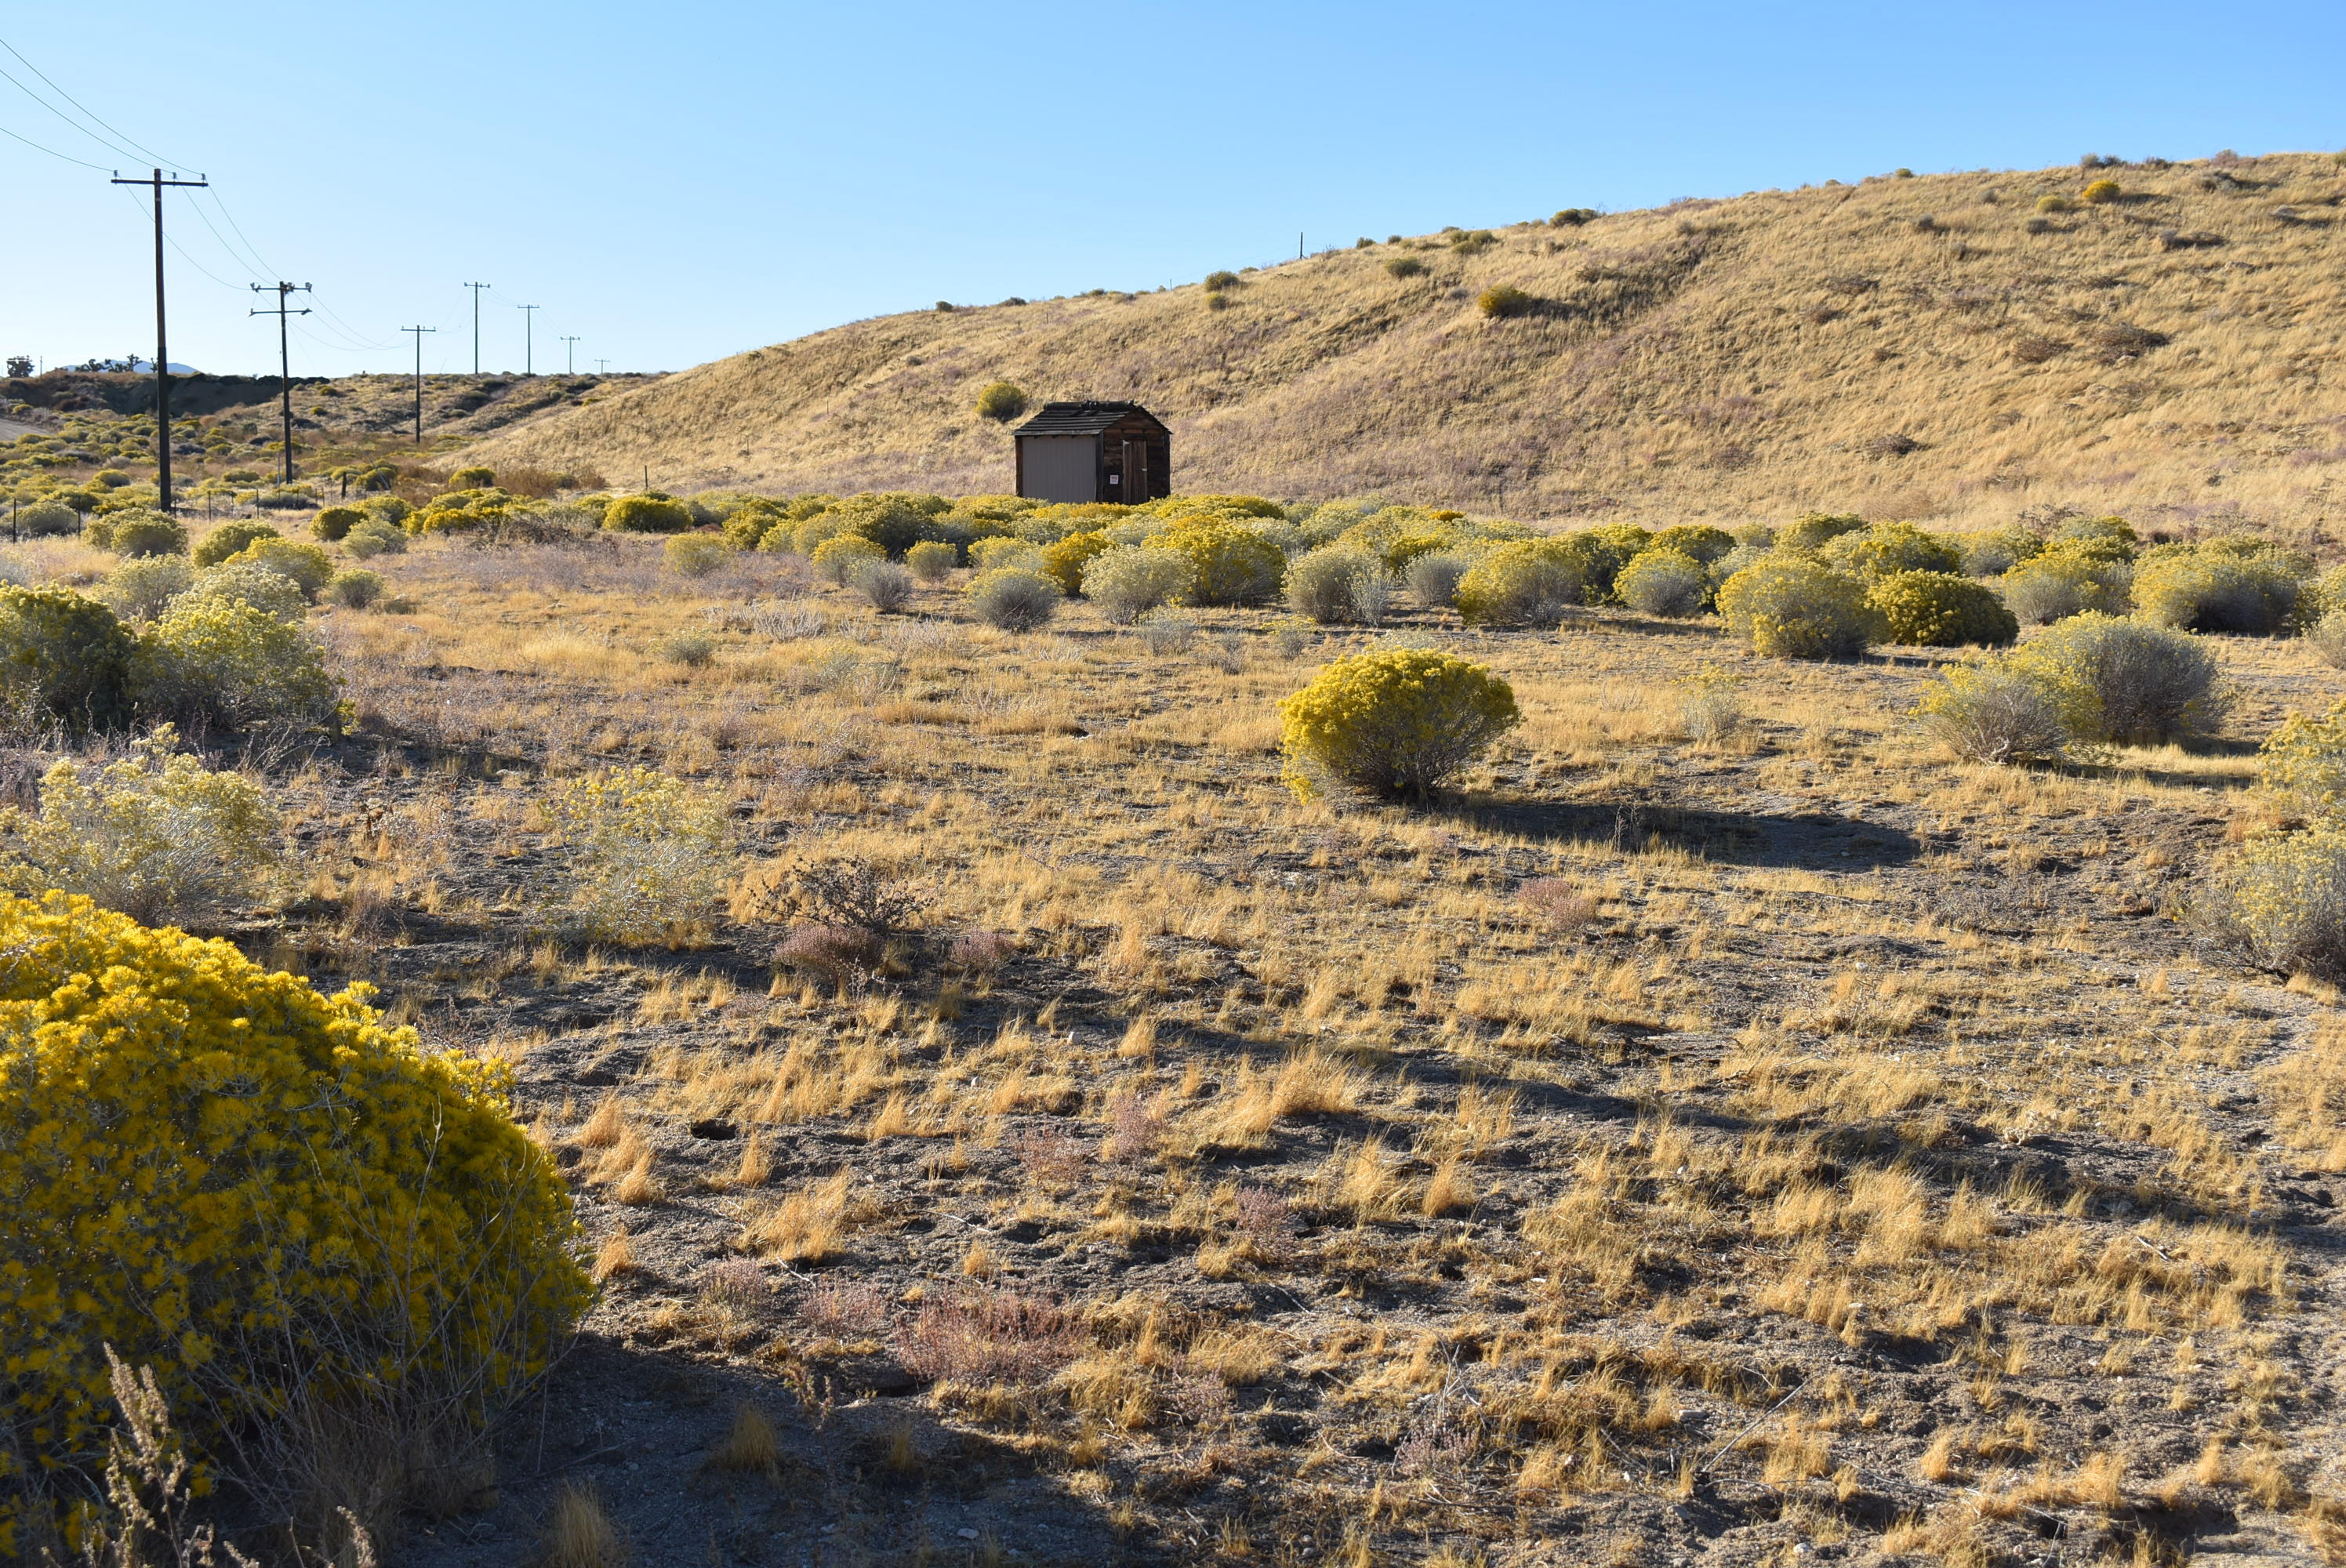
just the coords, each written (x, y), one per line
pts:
(1940, 609)
(156, 835)
(2213, 590)
(227, 539)
(1527, 583)
(1601, 553)
(2061, 581)
(1066, 559)
(354, 589)
(836, 556)
(884, 585)
(1231, 565)
(46, 519)
(1128, 581)
(1433, 577)
(1812, 529)
(1666, 583)
(307, 566)
(64, 658)
(1405, 267)
(138, 589)
(1503, 299)
(1012, 599)
(1320, 583)
(334, 524)
(1396, 723)
(371, 538)
(473, 478)
(1001, 400)
(1992, 712)
(1700, 541)
(2281, 903)
(931, 560)
(214, 663)
(1885, 549)
(1789, 605)
(1005, 552)
(2304, 761)
(1994, 552)
(2125, 682)
(249, 583)
(140, 532)
(646, 515)
(697, 555)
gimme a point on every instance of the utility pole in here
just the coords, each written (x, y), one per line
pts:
(476, 289)
(1299, 245)
(284, 362)
(599, 364)
(162, 348)
(419, 332)
(527, 318)
(569, 366)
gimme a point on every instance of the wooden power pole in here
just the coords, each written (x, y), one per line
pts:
(285, 363)
(162, 344)
(419, 332)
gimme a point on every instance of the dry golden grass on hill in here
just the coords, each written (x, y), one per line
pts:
(2174, 355)
(1657, 1153)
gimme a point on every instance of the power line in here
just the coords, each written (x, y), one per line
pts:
(146, 152)
(249, 249)
(50, 151)
(175, 244)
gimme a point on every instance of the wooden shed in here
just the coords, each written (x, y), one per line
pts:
(1084, 452)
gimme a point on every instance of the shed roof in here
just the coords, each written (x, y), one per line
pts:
(1082, 418)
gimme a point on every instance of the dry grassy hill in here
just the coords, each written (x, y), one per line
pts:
(1928, 347)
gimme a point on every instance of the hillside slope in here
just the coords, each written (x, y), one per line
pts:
(1927, 346)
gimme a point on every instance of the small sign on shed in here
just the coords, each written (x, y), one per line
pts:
(1087, 451)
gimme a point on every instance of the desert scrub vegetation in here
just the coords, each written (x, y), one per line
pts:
(1525, 583)
(156, 835)
(350, 1227)
(1931, 608)
(1014, 598)
(1788, 607)
(1396, 724)
(1221, 1161)
(648, 856)
(1661, 581)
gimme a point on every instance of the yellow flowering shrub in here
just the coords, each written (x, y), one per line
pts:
(1936, 609)
(2305, 760)
(635, 515)
(1529, 582)
(227, 665)
(64, 657)
(1788, 606)
(1393, 723)
(1066, 559)
(649, 854)
(841, 553)
(306, 565)
(253, 1190)
(2281, 903)
(157, 835)
(1885, 549)
(1233, 565)
(227, 539)
(697, 555)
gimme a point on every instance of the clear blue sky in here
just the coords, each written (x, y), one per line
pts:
(676, 181)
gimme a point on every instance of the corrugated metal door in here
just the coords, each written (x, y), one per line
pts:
(1061, 467)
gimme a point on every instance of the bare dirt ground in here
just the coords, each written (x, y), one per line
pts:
(1795, 1149)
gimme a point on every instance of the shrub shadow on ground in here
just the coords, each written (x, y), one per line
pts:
(1738, 838)
(857, 1477)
